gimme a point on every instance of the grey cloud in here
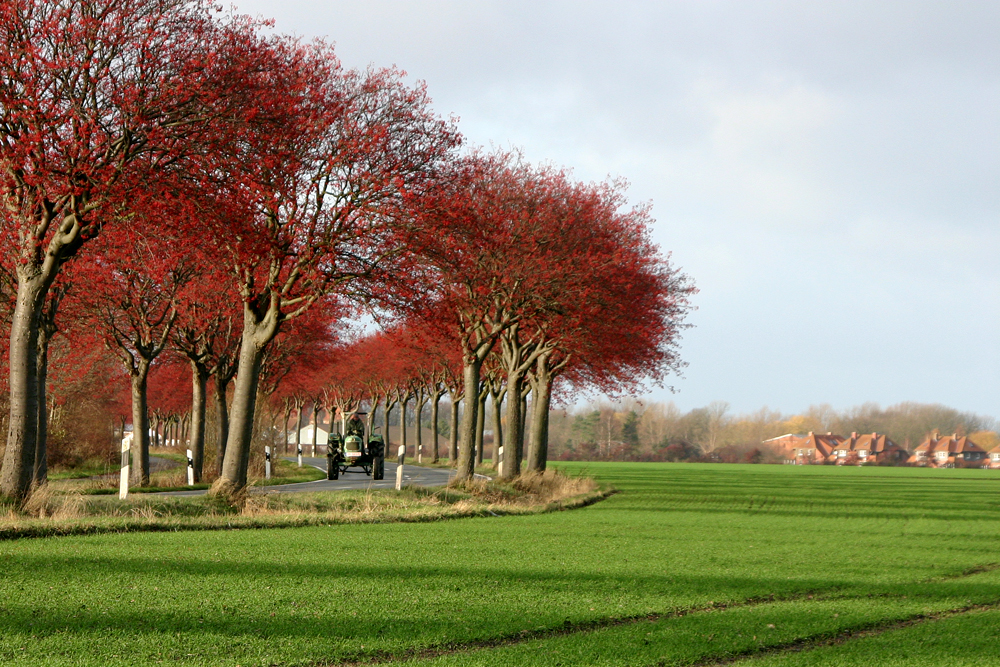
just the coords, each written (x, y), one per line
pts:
(826, 171)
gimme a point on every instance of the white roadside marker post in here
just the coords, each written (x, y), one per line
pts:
(190, 468)
(123, 484)
(500, 462)
(267, 463)
(400, 457)
(420, 454)
(300, 455)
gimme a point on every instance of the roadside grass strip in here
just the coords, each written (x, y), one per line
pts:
(88, 515)
(689, 564)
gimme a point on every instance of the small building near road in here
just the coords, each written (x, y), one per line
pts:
(306, 436)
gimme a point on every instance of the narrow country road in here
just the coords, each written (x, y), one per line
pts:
(359, 480)
(350, 480)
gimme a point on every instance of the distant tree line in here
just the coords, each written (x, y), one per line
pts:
(633, 431)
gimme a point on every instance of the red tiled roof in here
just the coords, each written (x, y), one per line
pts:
(952, 445)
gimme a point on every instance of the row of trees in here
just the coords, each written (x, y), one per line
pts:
(178, 183)
(630, 430)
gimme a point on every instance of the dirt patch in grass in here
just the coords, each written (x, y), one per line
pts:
(51, 512)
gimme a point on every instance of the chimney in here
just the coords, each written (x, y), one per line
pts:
(854, 435)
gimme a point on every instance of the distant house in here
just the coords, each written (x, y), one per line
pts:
(869, 448)
(993, 458)
(947, 452)
(785, 445)
(813, 448)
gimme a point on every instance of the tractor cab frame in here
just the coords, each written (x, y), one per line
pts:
(351, 449)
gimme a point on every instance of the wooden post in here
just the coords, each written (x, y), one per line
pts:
(123, 484)
(399, 476)
(190, 468)
(267, 463)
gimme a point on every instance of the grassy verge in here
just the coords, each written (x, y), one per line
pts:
(81, 472)
(49, 513)
(484, 470)
(284, 472)
(287, 472)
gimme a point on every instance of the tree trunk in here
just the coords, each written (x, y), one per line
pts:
(513, 441)
(467, 438)
(298, 429)
(453, 433)
(154, 425)
(538, 452)
(140, 425)
(22, 425)
(385, 421)
(22, 435)
(524, 418)
(480, 428)
(199, 382)
(237, 456)
(497, 400)
(435, 402)
(287, 414)
(41, 467)
(222, 423)
(418, 411)
(402, 421)
(371, 416)
(315, 427)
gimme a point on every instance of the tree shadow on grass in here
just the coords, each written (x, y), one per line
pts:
(364, 618)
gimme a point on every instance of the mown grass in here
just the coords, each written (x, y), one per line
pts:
(969, 640)
(690, 564)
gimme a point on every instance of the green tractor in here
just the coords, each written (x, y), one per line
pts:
(353, 450)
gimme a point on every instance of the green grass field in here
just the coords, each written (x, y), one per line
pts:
(690, 564)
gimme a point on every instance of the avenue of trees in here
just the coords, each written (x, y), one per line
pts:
(195, 208)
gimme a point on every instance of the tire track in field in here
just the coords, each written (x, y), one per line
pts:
(568, 628)
(801, 644)
(822, 641)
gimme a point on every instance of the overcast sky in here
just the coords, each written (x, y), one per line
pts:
(827, 172)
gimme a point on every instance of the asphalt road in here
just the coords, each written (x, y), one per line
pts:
(350, 480)
(359, 480)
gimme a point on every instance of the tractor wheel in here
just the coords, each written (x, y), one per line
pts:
(334, 472)
(378, 468)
